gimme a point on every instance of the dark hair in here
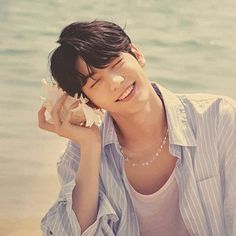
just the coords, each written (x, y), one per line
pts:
(96, 42)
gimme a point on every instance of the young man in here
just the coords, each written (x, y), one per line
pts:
(160, 164)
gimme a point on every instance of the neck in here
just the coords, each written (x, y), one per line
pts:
(144, 128)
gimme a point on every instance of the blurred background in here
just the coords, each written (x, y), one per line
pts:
(190, 46)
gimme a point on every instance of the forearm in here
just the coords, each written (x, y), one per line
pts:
(86, 191)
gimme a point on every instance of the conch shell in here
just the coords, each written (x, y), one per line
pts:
(82, 113)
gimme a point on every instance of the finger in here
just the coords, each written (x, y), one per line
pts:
(75, 104)
(41, 115)
(42, 122)
(56, 110)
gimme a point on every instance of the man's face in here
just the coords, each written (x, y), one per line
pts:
(119, 87)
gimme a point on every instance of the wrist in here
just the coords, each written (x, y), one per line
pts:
(91, 148)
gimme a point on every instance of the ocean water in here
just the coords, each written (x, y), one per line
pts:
(189, 47)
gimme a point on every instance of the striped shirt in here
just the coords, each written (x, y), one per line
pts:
(202, 135)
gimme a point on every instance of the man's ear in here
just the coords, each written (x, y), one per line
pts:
(139, 56)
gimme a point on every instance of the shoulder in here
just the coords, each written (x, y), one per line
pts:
(202, 103)
(228, 107)
(227, 120)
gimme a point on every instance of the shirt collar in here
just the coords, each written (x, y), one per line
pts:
(180, 132)
(108, 132)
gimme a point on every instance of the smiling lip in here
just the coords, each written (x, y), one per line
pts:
(127, 94)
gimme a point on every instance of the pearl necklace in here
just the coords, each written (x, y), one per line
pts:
(146, 163)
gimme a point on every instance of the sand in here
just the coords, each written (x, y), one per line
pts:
(20, 227)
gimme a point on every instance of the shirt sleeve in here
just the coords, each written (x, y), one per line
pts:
(227, 150)
(61, 220)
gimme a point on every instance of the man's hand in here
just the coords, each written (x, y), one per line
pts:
(80, 134)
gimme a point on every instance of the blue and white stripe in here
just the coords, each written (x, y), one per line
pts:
(202, 134)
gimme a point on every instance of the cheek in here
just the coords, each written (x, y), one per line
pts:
(99, 98)
(90, 97)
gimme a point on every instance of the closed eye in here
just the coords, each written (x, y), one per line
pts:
(117, 63)
(96, 81)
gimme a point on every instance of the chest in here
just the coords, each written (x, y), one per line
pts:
(149, 179)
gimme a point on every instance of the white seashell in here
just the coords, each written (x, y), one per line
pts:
(82, 113)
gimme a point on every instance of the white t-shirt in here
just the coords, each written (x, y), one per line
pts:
(158, 213)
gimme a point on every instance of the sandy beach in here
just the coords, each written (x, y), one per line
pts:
(20, 227)
(22, 212)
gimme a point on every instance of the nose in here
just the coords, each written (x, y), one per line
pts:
(116, 81)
